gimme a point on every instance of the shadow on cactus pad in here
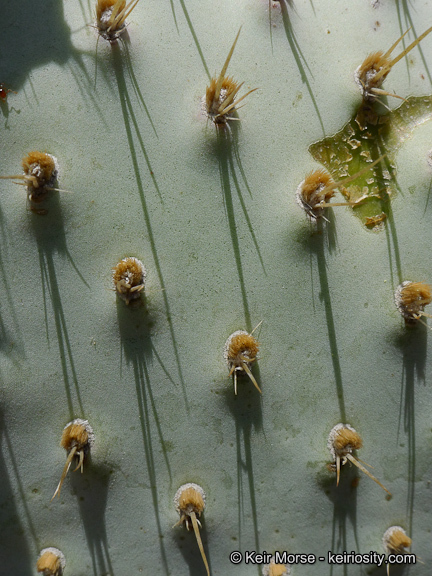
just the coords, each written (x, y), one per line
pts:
(366, 137)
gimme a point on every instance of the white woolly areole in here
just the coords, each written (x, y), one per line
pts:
(213, 115)
(140, 265)
(104, 19)
(101, 26)
(266, 568)
(37, 171)
(387, 536)
(184, 487)
(86, 425)
(364, 87)
(128, 276)
(334, 432)
(58, 553)
(228, 344)
(398, 300)
(313, 212)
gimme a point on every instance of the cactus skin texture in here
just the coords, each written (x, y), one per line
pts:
(211, 213)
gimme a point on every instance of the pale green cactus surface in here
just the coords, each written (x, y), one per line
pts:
(212, 214)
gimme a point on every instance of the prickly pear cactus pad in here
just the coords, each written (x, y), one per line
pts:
(211, 213)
